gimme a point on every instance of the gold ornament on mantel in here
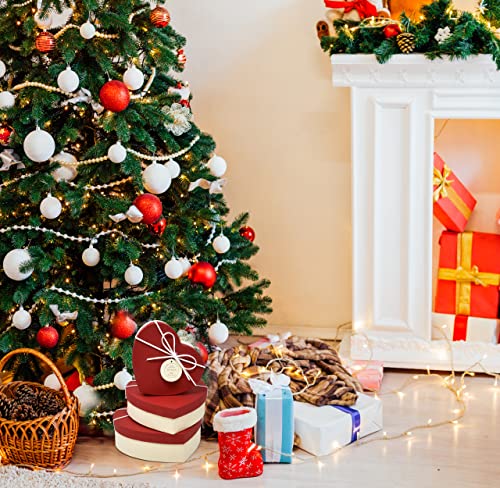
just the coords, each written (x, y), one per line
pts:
(406, 42)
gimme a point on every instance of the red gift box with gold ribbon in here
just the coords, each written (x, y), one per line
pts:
(469, 274)
(453, 203)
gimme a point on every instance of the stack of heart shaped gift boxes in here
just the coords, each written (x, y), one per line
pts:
(166, 402)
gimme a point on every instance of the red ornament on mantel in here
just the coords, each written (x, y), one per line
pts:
(115, 96)
(392, 30)
(150, 206)
(248, 233)
(5, 133)
(160, 17)
(45, 42)
(158, 228)
(123, 325)
(47, 337)
(203, 273)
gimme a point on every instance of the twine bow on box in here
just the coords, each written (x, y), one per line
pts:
(185, 361)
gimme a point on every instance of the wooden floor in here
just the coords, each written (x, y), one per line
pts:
(466, 455)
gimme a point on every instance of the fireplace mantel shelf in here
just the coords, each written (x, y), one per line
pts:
(414, 70)
(394, 106)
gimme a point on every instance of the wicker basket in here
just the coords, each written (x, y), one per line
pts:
(47, 442)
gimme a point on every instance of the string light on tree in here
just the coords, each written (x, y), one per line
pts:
(14, 261)
(123, 325)
(68, 80)
(39, 145)
(50, 207)
(45, 42)
(117, 153)
(174, 269)
(133, 78)
(134, 275)
(47, 337)
(21, 319)
(91, 256)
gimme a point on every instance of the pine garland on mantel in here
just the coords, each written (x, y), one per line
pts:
(441, 32)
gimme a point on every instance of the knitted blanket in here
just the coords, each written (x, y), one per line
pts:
(314, 367)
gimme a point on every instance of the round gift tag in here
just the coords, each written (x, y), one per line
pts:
(171, 370)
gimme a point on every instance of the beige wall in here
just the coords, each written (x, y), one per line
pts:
(262, 89)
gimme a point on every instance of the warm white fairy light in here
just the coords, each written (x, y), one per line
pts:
(177, 475)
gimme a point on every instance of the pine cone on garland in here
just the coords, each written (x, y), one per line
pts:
(406, 42)
(6, 405)
(25, 395)
(49, 403)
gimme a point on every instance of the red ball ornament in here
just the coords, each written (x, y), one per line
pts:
(150, 206)
(181, 57)
(47, 337)
(123, 325)
(202, 349)
(392, 30)
(248, 233)
(203, 273)
(45, 42)
(158, 228)
(160, 17)
(115, 96)
(5, 133)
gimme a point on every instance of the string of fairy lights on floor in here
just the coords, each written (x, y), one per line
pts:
(453, 382)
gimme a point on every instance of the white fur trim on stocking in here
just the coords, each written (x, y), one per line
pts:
(227, 421)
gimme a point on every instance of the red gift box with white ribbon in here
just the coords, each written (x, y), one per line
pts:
(464, 328)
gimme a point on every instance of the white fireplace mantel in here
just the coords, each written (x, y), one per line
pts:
(394, 107)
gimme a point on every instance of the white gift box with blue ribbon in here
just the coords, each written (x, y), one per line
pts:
(274, 430)
(322, 430)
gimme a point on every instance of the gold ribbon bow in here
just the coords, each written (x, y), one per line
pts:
(466, 274)
(443, 189)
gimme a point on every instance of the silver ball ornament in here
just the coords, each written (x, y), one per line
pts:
(122, 379)
(91, 256)
(65, 173)
(218, 333)
(87, 30)
(50, 207)
(68, 80)
(221, 244)
(7, 100)
(13, 261)
(21, 320)
(186, 265)
(133, 275)
(52, 382)
(39, 145)
(88, 398)
(133, 78)
(173, 269)
(117, 153)
(156, 178)
(173, 168)
(217, 166)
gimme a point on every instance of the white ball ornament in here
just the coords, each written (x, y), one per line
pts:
(87, 30)
(39, 145)
(52, 382)
(21, 320)
(12, 263)
(186, 265)
(7, 100)
(122, 379)
(133, 275)
(221, 244)
(65, 173)
(3, 68)
(173, 269)
(156, 178)
(68, 80)
(173, 168)
(88, 397)
(218, 333)
(91, 256)
(133, 78)
(217, 166)
(43, 22)
(117, 153)
(50, 207)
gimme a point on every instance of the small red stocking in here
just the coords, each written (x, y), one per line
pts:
(239, 456)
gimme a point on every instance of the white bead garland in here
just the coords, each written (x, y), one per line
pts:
(105, 301)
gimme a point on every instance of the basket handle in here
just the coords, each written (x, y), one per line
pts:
(46, 360)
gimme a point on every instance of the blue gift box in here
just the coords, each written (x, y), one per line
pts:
(275, 426)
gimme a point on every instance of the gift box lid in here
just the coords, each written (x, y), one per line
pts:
(125, 426)
(170, 406)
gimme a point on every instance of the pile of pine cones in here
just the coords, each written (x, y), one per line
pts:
(30, 403)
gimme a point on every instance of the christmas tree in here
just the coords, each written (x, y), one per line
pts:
(111, 205)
